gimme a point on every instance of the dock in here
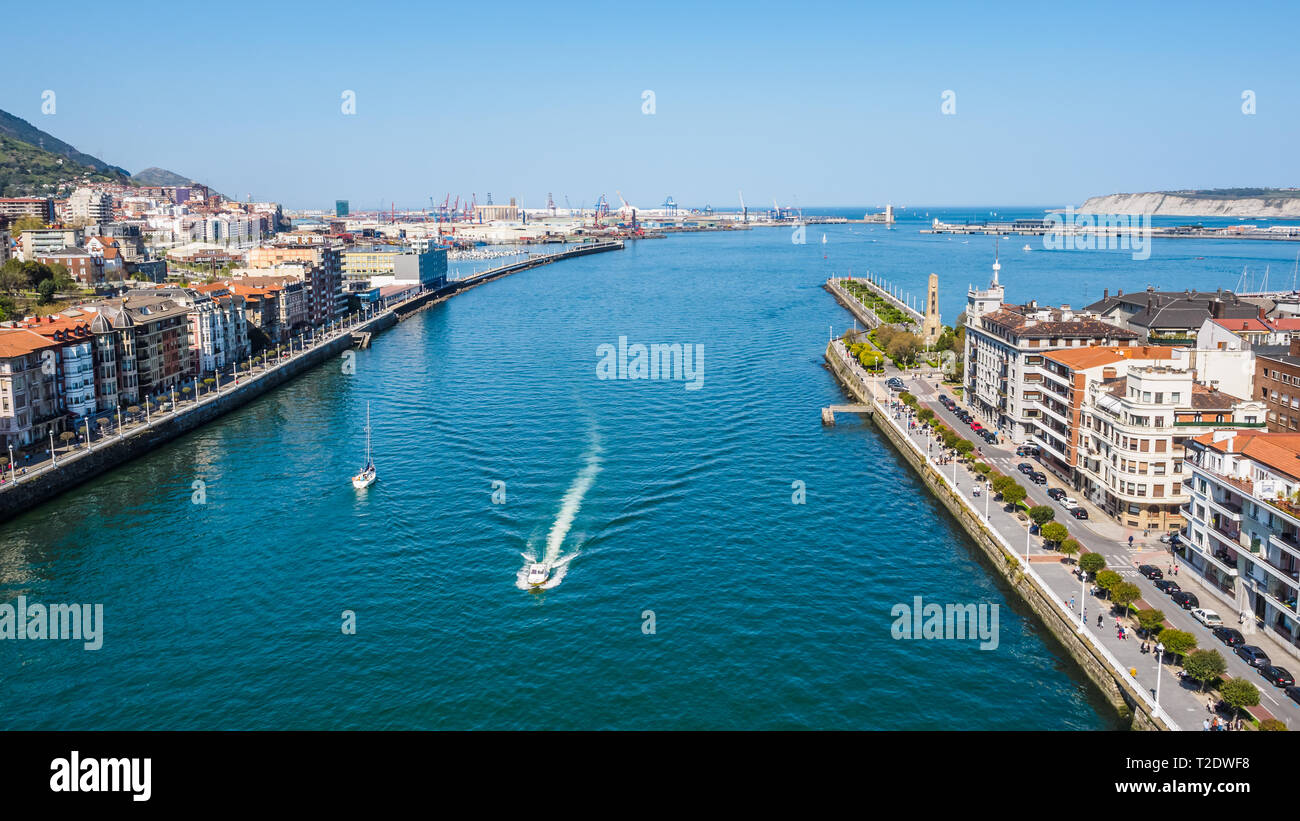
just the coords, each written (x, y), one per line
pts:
(828, 413)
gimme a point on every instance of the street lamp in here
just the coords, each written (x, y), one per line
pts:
(54, 460)
(119, 421)
(1083, 582)
(1160, 651)
(1029, 523)
(13, 474)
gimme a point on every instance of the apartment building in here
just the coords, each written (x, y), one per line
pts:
(1001, 342)
(36, 242)
(88, 205)
(1170, 317)
(145, 345)
(74, 367)
(1277, 384)
(1242, 536)
(321, 274)
(16, 207)
(29, 410)
(1133, 434)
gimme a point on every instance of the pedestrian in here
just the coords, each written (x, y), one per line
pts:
(1175, 570)
(1099, 620)
(1130, 541)
(1205, 725)
(1072, 602)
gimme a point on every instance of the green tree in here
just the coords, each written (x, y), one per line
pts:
(1001, 482)
(1107, 579)
(1014, 494)
(46, 292)
(1205, 666)
(1177, 642)
(25, 224)
(1239, 693)
(1124, 594)
(13, 277)
(1272, 725)
(1054, 532)
(1092, 562)
(1042, 514)
(925, 414)
(1069, 548)
(1151, 620)
(965, 446)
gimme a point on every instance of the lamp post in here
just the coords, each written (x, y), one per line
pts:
(88, 445)
(13, 474)
(1029, 523)
(988, 494)
(1083, 583)
(1160, 651)
(54, 460)
(119, 421)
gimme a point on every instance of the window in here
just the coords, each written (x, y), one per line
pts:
(1175, 397)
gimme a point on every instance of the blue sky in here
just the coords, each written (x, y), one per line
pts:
(810, 103)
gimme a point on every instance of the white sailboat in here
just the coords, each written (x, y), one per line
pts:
(367, 476)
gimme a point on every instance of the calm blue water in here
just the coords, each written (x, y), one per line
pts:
(768, 614)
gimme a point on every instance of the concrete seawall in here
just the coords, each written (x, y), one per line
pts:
(82, 465)
(1118, 688)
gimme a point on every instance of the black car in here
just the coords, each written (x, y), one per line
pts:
(1038, 477)
(1167, 586)
(990, 437)
(1229, 636)
(1277, 676)
(1025, 468)
(895, 383)
(1056, 494)
(1293, 693)
(1078, 513)
(1151, 571)
(1185, 600)
(1253, 656)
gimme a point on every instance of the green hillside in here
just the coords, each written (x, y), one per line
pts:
(28, 171)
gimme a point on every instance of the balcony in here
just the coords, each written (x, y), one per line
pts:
(1225, 507)
(1286, 542)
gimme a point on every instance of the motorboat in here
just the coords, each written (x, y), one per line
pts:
(538, 573)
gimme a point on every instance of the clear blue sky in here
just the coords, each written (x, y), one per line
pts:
(811, 103)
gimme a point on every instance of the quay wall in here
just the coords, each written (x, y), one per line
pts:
(1115, 684)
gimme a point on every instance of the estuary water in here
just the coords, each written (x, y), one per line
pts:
(691, 590)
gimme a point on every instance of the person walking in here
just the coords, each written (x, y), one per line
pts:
(1205, 725)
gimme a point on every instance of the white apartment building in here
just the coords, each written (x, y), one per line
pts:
(88, 204)
(1001, 337)
(1243, 527)
(1133, 433)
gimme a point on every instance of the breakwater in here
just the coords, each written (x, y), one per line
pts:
(1101, 667)
(71, 469)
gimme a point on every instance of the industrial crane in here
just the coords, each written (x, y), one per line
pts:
(744, 212)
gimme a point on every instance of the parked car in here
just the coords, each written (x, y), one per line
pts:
(1185, 600)
(1277, 676)
(1229, 636)
(1069, 502)
(976, 426)
(894, 383)
(1025, 468)
(1293, 693)
(1151, 571)
(1078, 513)
(1027, 450)
(1056, 493)
(1252, 655)
(1167, 586)
(990, 437)
(1038, 477)
(1208, 617)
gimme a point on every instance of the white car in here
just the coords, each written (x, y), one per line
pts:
(1207, 617)
(1069, 502)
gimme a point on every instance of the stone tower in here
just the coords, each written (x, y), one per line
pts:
(932, 328)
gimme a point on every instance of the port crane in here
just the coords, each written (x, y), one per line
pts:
(744, 212)
(669, 206)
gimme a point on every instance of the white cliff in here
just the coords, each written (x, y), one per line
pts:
(1285, 205)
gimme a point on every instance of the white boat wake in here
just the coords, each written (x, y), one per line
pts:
(553, 556)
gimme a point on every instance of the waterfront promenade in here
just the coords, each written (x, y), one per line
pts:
(1182, 703)
(114, 437)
